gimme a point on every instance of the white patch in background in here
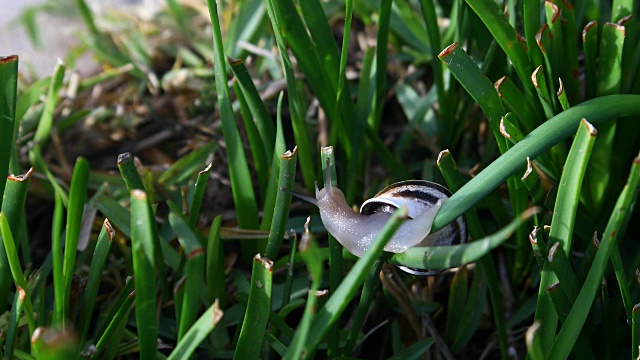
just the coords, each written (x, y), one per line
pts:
(56, 32)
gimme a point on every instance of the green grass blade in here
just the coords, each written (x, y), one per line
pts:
(215, 273)
(635, 332)
(322, 36)
(564, 293)
(308, 250)
(13, 206)
(590, 50)
(107, 233)
(562, 96)
(107, 328)
(562, 225)
(241, 186)
(562, 304)
(87, 17)
(278, 319)
(77, 198)
(263, 122)
(142, 246)
(420, 115)
(388, 158)
(559, 299)
(285, 19)
(283, 202)
(185, 167)
(256, 316)
(336, 272)
(621, 8)
(445, 257)
(493, 18)
(16, 269)
(14, 319)
(566, 339)
(365, 92)
(382, 38)
(431, 21)
(571, 183)
(366, 298)
(539, 247)
(116, 213)
(472, 311)
(198, 194)
(539, 82)
(610, 64)
(345, 49)
(541, 139)
(631, 54)
(197, 333)
(609, 82)
(130, 175)
(175, 10)
(35, 156)
(350, 284)
(44, 127)
(133, 181)
(258, 153)
(571, 67)
(519, 203)
(43, 131)
(57, 261)
(276, 345)
(621, 277)
(247, 25)
(178, 297)
(520, 105)
(458, 293)
(46, 120)
(590, 255)
(295, 105)
(453, 178)
(272, 186)
(551, 45)
(9, 76)
(286, 294)
(532, 20)
(510, 130)
(356, 123)
(408, 24)
(30, 96)
(194, 271)
(560, 265)
(477, 85)
(414, 351)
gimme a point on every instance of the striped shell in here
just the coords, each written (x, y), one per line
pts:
(418, 195)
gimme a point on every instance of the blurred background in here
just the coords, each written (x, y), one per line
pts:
(56, 20)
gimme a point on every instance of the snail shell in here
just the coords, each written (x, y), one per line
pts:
(418, 196)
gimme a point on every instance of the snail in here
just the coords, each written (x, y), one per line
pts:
(356, 231)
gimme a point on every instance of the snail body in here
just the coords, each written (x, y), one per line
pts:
(355, 231)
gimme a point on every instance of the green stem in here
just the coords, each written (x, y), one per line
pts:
(538, 141)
